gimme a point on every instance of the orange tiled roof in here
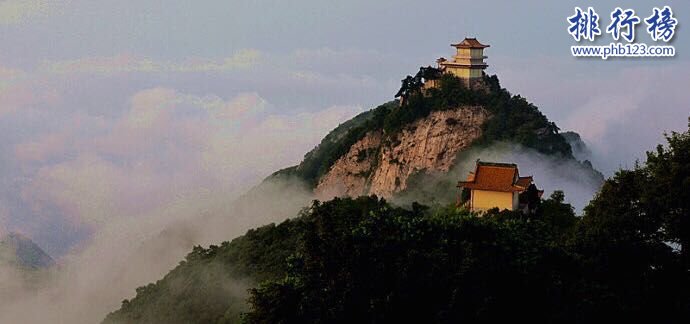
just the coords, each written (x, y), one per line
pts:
(496, 177)
(470, 43)
(524, 182)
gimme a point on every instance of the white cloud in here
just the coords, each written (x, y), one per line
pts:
(22, 95)
(620, 112)
(168, 143)
(153, 181)
(594, 117)
(41, 148)
(626, 114)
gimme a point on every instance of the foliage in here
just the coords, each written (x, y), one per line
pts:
(514, 119)
(668, 192)
(365, 261)
(210, 285)
(413, 85)
(557, 214)
(629, 237)
(650, 203)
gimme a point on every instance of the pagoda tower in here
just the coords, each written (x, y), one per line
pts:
(468, 63)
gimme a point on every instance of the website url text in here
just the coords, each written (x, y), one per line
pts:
(623, 50)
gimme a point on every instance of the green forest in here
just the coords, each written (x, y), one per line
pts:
(363, 260)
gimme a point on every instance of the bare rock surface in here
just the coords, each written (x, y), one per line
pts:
(381, 165)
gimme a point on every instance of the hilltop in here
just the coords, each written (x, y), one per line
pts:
(385, 150)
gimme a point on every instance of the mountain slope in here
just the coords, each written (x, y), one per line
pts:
(366, 261)
(21, 251)
(390, 151)
(210, 285)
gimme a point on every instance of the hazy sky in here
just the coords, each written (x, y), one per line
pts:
(113, 109)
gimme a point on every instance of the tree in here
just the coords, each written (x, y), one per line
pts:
(429, 73)
(652, 201)
(667, 193)
(413, 84)
(557, 214)
(629, 235)
(364, 261)
(406, 88)
(532, 195)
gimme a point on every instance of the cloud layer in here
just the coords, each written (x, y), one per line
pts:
(166, 145)
(619, 112)
(145, 185)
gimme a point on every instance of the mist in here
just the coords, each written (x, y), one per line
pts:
(170, 172)
(128, 252)
(91, 282)
(579, 182)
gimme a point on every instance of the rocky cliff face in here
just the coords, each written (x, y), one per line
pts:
(380, 164)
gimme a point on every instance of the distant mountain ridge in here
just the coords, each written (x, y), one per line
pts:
(17, 249)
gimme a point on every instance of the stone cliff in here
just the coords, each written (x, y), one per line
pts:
(381, 164)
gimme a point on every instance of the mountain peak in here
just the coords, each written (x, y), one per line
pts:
(383, 151)
(16, 248)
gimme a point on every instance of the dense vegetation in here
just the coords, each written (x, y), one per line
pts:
(625, 260)
(514, 120)
(210, 285)
(364, 260)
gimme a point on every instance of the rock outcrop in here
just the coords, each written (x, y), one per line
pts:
(381, 164)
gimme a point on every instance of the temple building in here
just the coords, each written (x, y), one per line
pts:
(498, 185)
(468, 63)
